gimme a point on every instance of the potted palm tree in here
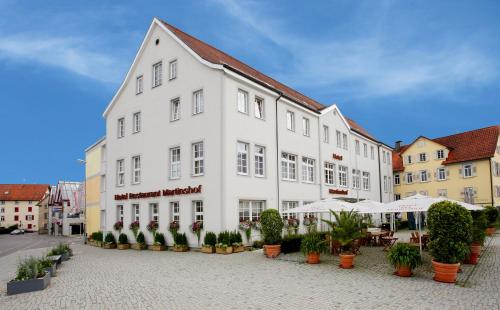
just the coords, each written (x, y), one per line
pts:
(209, 243)
(123, 242)
(109, 241)
(271, 227)
(479, 224)
(312, 245)
(492, 215)
(159, 242)
(345, 230)
(450, 234)
(404, 257)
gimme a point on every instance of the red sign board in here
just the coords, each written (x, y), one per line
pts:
(159, 193)
(338, 191)
(336, 156)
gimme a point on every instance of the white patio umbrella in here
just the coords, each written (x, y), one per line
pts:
(375, 207)
(331, 204)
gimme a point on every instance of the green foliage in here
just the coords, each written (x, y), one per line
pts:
(346, 228)
(29, 268)
(272, 226)
(210, 239)
(235, 238)
(479, 224)
(140, 238)
(312, 243)
(46, 262)
(224, 238)
(60, 249)
(122, 239)
(291, 243)
(258, 244)
(180, 239)
(97, 236)
(491, 215)
(450, 232)
(404, 254)
(159, 239)
(110, 238)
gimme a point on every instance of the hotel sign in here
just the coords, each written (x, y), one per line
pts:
(165, 192)
(336, 156)
(338, 191)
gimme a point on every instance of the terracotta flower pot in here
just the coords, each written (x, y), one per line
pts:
(272, 251)
(475, 249)
(403, 271)
(346, 261)
(446, 273)
(490, 231)
(313, 258)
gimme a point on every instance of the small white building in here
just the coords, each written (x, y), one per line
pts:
(66, 209)
(194, 134)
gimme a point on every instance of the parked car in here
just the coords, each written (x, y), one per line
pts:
(17, 232)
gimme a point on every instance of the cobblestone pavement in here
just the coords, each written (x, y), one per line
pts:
(110, 279)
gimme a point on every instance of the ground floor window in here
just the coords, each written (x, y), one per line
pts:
(198, 210)
(174, 206)
(119, 213)
(250, 210)
(153, 207)
(135, 212)
(286, 206)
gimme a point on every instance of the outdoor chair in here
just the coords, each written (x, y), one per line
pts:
(356, 245)
(336, 247)
(388, 242)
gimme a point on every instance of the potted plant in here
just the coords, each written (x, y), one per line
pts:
(492, 215)
(152, 227)
(479, 224)
(271, 227)
(173, 227)
(118, 226)
(223, 245)
(450, 234)
(159, 242)
(312, 245)
(292, 225)
(404, 257)
(246, 227)
(209, 243)
(140, 242)
(97, 238)
(310, 222)
(123, 242)
(236, 242)
(109, 241)
(345, 230)
(48, 265)
(196, 229)
(61, 249)
(30, 277)
(134, 227)
(180, 242)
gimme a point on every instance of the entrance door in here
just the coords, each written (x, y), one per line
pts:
(75, 229)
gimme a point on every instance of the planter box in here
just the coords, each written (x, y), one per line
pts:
(123, 246)
(228, 250)
(110, 246)
(32, 285)
(180, 248)
(51, 270)
(238, 249)
(138, 246)
(208, 249)
(158, 247)
(57, 259)
(98, 244)
(65, 257)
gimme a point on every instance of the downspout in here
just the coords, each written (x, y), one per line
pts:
(380, 179)
(280, 94)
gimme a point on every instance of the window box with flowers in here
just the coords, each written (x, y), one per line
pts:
(134, 227)
(246, 227)
(173, 227)
(196, 229)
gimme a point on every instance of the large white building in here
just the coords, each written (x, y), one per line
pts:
(194, 134)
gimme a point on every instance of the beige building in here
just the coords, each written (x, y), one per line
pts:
(464, 166)
(94, 185)
(43, 215)
(18, 205)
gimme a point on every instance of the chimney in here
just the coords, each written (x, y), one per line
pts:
(398, 145)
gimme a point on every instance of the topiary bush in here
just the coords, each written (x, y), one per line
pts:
(159, 239)
(235, 238)
(491, 215)
(271, 226)
(224, 238)
(450, 232)
(180, 239)
(110, 238)
(140, 238)
(122, 239)
(291, 243)
(210, 239)
(479, 224)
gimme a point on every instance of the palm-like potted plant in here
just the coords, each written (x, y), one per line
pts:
(109, 241)
(209, 243)
(404, 257)
(159, 242)
(123, 242)
(450, 234)
(491, 215)
(223, 245)
(180, 242)
(312, 245)
(345, 230)
(271, 227)
(479, 224)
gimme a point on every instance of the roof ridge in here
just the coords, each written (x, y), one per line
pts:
(465, 132)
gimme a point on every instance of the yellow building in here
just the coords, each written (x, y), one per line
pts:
(94, 184)
(464, 166)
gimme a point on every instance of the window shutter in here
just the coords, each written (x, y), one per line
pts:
(447, 172)
(475, 191)
(460, 172)
(435, 174)
(428, 175)
(474, 170)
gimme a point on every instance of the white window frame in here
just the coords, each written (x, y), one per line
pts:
(136, 212)
(345, 144)
(372, 152)
(440, 154)
(357, 148)
(175, 211)
(308, 168)
(343, 176)
(154, 211)
(198, 158)
(286, 206)
(288, 167)
(260, 161)
(290, 121)
(330, 173)
(242, 164)
(385, 184)
(326, 134)
(136, 122)
(397, 179)
(260, 108)
(366, 180)
(198, 208)
(465, 168)
(242, 103)
(175, 109)
(423, 176)
(157, 74)
(136, 169)
(422, 157)
(172, 70)
(120, 172)
(384, 158)
(408, 159)
(198, 104)
(139, 85)
(442, 193)
(409, 177)
(306, 127)
(121, 127)
(175, 162)
(438, 174)
(365, 150)
(339, 138)
(250, 210)
(356, 179)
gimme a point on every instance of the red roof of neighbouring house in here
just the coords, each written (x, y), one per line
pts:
(23, 192)
(466, 146)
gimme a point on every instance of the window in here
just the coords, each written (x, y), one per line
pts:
(326, 134)
(172, 69)
(423, 176)
(174, 207)
(2, 202)
(467, 170)
(397, 179)
(383, 157)
(422, 157)
(135, 212)
(16, 209)
(306, 127)
(290, 120)
(497, 191)
(385, 184)
(339, 138)
(440, 155)
(175, 162)
(2, 210)
(344, 141)
(356, 182)
(496, 168)
(157, 74)
(469, 195)
(198, 102)
(307, 170)
(153, 207)
(198, 159)
(175, 109)
(442, 193)
(366, 180)
(139, 85)
(260, 161)
(242, 158)
(103, 183)
(365, 150)
(259, 108)
(120, 172)
(250, 210)
(343, 170)
(441, 174)
(288, 162)
(286, 206)
(2, 218)
(119, 213)
(136, 169)
(198, 210)
(372, 152)
(136, 122)
(121, 127)
(388, 158)
(30, 209)
(329, 173)
(357, 150)
(30, 217)
(16, 202)
(242, 101)
(409, 178)
(16, 217)
(408, 159)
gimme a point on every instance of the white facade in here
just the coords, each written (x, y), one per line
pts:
(242, 146)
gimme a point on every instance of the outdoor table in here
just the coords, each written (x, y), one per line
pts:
(379, 235)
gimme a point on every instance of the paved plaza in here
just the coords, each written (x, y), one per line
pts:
(110, 279)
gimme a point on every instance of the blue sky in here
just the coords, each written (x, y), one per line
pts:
(399, 68)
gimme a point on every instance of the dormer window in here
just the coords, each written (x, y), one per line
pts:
(440, 154)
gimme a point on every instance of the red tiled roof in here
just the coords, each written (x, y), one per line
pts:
(215, 56)
(23, 192)
(466, 146)
(357, 128)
